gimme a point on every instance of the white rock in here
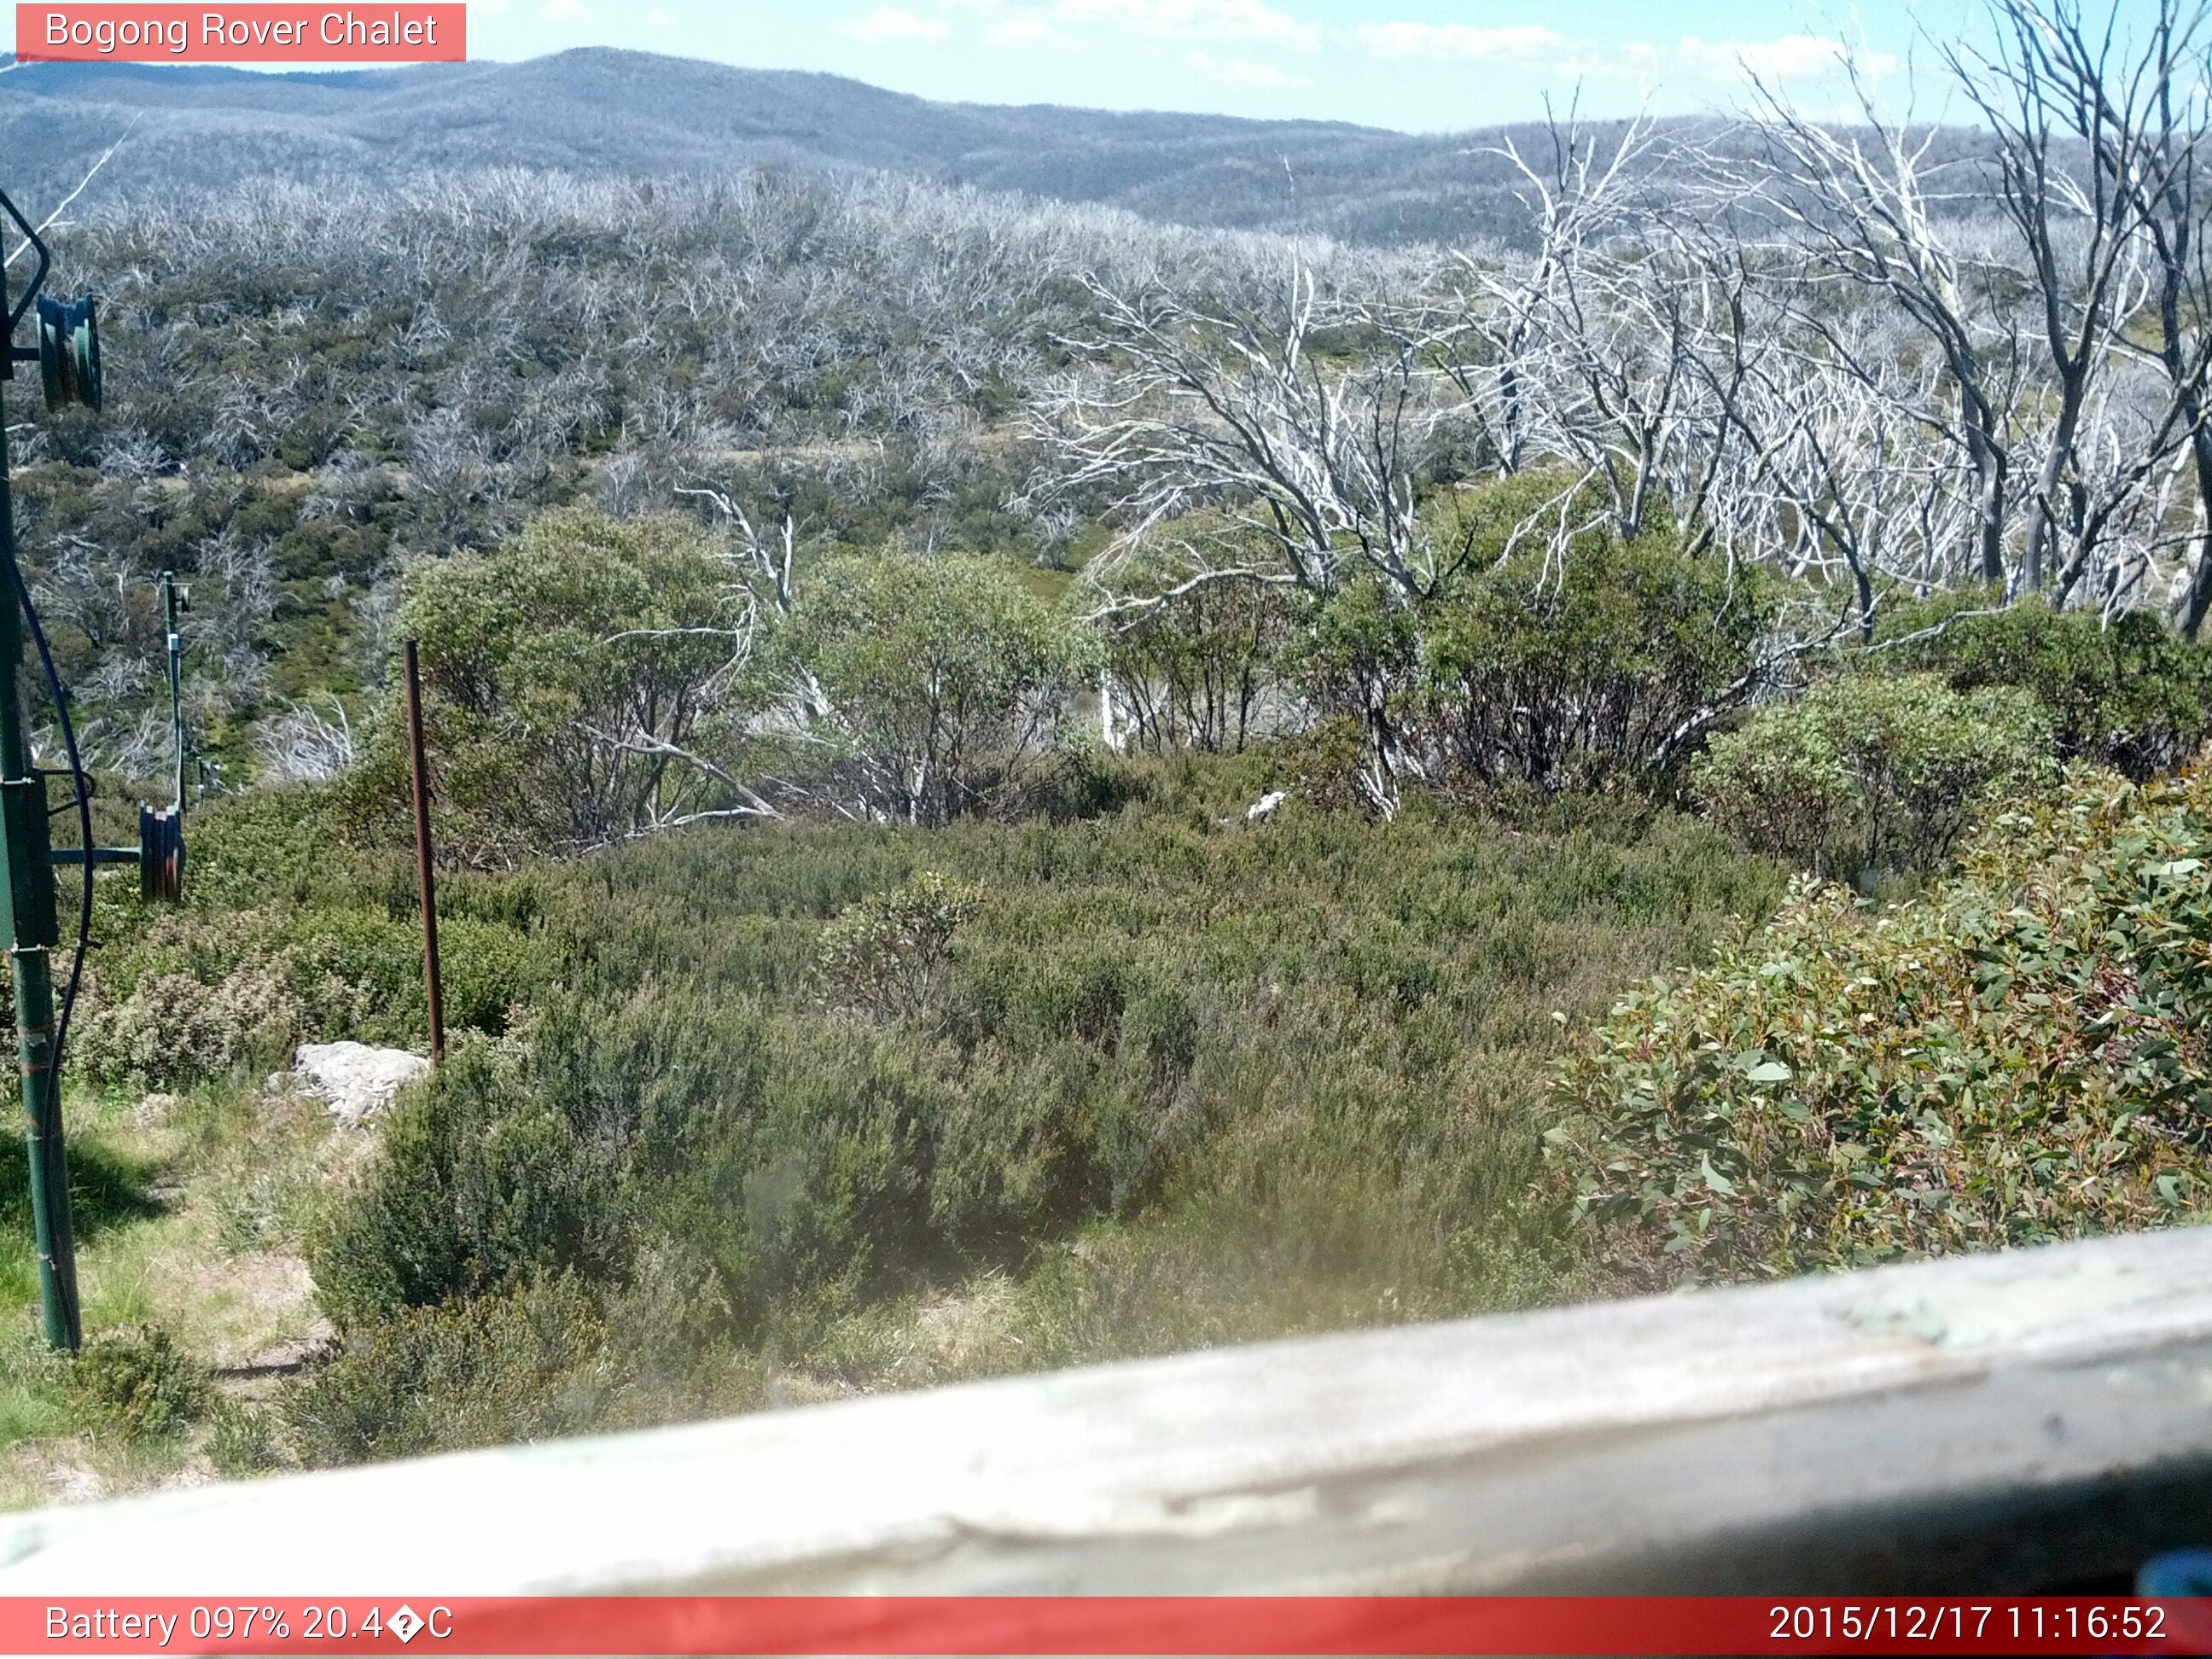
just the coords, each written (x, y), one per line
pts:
(1267, 804)
(357, 1080)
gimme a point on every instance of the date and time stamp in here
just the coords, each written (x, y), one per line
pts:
(1008, 1626)
(2005, 1626)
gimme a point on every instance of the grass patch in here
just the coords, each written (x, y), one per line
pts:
(179, 1298)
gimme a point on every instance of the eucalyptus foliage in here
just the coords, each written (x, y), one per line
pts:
(934, 681)
(1865, 775)
(584, 682)
(2125, 691)
(2024, 1054)
(1606, 662)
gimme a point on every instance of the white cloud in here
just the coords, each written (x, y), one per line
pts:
(1528, 45)
(1545, 51)
(1459, 40)
(1792, 57)
(887, 23)
(1252, 20)
(1239, 73)
(1064, 24)
(658, 19)
(1028, 31)
(561, 9)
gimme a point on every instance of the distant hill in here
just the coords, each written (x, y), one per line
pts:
(599, 111)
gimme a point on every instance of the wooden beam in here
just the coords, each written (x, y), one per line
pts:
(2026, 1420)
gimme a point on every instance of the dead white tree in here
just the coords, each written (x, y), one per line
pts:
(302, 746)
(1615, 347)
(2054, 95)
(1299, 421)
(1572, 189)
(1860, 206)
(764, 559)
(1310, 453)
(2133, 93)
(1839, 474)
(54, 219)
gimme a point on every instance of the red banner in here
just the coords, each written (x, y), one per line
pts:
(1132, 1626)
(261, 33)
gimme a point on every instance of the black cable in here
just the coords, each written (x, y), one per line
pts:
(84, 811)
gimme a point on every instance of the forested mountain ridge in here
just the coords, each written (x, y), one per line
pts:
(602, 111)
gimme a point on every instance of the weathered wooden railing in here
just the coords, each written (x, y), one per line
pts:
(2032, 1420)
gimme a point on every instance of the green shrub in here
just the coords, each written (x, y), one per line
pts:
(174, 1030)
(570, 678)
(264, 847)
(2022, 1055)
(1198, 667)
(1353, 663)
(477, 1184)
(1143, 1015)
(1522, 657)
(286, 936)
(1603, 665)
(532, 1364)
(241, 1441)
(217, 997)
(888, 952)
(944, 679)
(141, 1387)
(359, 972)
(2125, 691)
(1868, 774)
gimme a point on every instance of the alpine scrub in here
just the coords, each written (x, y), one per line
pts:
(2021, 1056)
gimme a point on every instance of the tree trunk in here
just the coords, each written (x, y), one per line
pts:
(2198, 600)
(1989, 470)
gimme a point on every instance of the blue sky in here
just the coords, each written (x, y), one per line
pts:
(1417, 64)
(1422, 65)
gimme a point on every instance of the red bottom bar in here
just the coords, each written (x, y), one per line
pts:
(1102, 1624)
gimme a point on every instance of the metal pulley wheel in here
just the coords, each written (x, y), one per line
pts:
(69, 352)
(161, 854)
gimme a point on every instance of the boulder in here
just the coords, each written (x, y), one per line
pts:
(357, 1080)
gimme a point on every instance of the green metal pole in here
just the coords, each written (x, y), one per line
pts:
(27, 855)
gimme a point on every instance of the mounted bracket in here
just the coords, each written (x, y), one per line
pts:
(68, 351)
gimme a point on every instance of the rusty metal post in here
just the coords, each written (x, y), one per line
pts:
(423, 857)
